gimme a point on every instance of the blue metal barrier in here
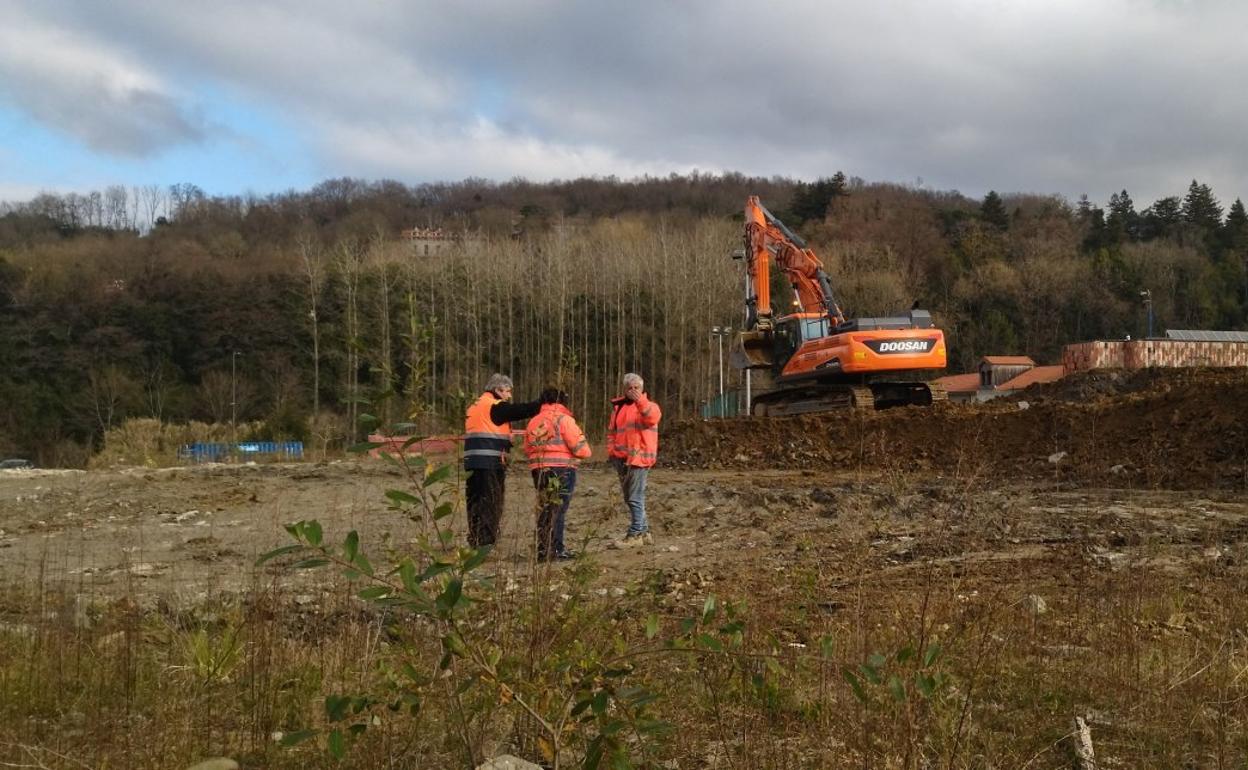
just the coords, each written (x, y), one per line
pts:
(202, 452)
(727, 405)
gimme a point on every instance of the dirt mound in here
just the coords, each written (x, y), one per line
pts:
(1175, 429)
(1114, 383)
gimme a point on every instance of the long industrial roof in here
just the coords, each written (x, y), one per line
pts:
(1206, 335)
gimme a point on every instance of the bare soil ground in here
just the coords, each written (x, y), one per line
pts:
(1174, 429)
(1095, 470)
(178, 538)
(1098, 496)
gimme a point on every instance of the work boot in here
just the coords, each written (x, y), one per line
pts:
(633, 540)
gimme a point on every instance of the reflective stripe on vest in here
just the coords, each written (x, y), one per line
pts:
(483, 439)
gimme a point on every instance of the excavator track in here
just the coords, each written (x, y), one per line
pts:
(782, 403)
(890, 394)
(824, 398)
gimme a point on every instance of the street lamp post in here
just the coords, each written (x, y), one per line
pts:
(719, 332)
(234, 399)
(1148, 305)
(749, 298)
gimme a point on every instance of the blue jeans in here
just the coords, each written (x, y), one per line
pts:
(554, 494)
(633, 485)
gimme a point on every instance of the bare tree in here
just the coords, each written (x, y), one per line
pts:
(417, 338)
(135, 205)
(214, 395)
(160, 382)
(95, 209)
(350, 257)
(110, 391)
(115, 199)
(153, 196)
(281, 384)
(225, 397)
(313, 260)
(383, 357)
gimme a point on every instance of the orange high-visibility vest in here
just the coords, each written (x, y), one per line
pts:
(633, 432)
(485, 444)
(554, 440)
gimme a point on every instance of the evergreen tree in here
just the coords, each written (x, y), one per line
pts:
(811, 201)
(1236, 227)
(1160, 219)
(1122, 223)
(1084, 209)
(1201, 209)
(1235, 245)
(1096, 236)
(993, 212)
(1115, 228)
(838, 184)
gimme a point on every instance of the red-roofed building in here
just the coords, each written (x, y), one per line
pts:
(998, 376)
(1033, 376)
(994, 370)
(960, 387)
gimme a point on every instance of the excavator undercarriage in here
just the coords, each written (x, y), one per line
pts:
(822, 397)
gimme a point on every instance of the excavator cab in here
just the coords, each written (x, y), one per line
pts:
(785, 342)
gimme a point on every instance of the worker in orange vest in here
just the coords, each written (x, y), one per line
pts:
(633, 447)
(555, 445)
(487, 441)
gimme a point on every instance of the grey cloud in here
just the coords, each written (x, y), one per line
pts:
(135, 123)
(1065, 97)
(88, 89)
(1076, 104)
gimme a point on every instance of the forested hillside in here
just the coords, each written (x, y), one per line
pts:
(303, 310)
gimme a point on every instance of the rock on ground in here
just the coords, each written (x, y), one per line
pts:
(220, 763)
(508, 762)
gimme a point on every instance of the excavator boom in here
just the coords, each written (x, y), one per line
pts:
(767, 238)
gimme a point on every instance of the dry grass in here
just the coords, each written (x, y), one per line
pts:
(151, 443)
(1152, 651)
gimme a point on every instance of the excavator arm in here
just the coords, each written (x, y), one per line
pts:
(767, 238)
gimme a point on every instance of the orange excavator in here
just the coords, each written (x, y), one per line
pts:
(819, 359)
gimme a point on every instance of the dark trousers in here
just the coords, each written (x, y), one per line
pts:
(485, 504)
(554, 493)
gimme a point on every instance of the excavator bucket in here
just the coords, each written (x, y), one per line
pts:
(752, 350)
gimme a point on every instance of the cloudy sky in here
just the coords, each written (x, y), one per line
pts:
(1059, 96)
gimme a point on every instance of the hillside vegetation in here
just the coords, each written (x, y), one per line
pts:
(304, 310)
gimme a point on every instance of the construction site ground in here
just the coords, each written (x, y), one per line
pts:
(1101, 484)
(1104, 461)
